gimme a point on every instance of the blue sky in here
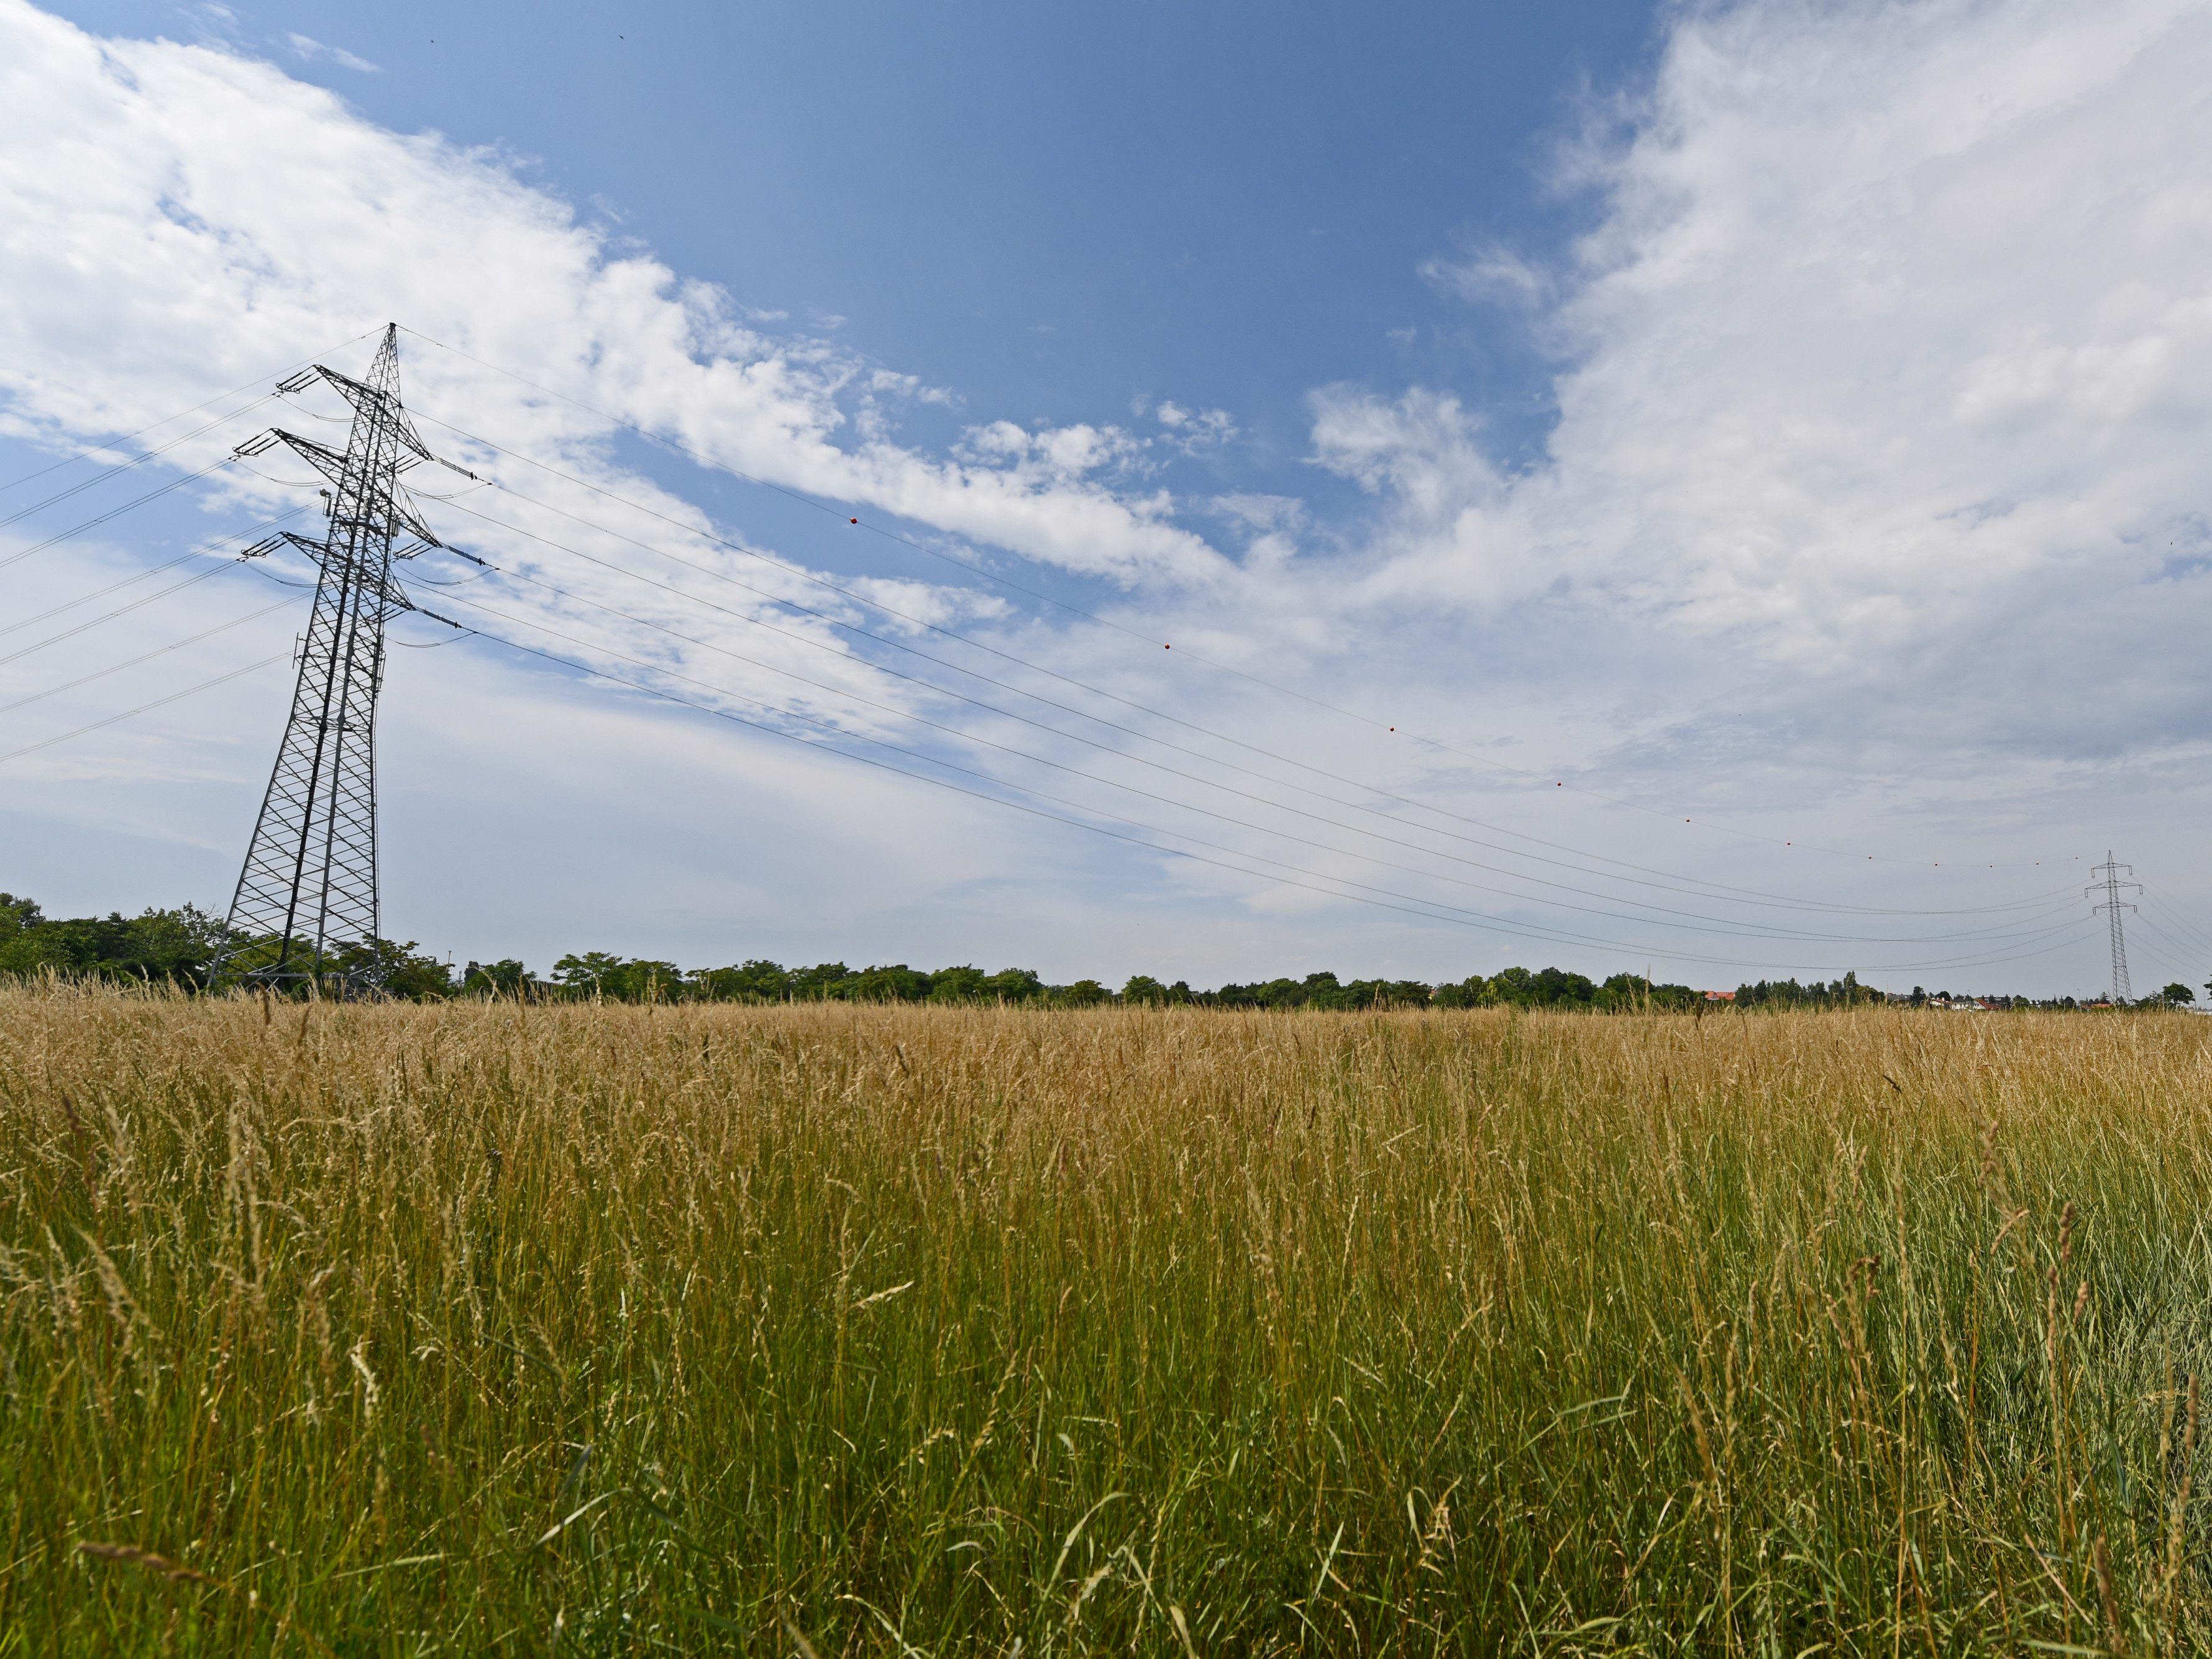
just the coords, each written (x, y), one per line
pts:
(1751, 443)
(1053, 210)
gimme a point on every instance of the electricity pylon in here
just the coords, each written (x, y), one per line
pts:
(306, 895)
(2110, 885)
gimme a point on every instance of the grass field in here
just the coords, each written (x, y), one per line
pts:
(832, 1329)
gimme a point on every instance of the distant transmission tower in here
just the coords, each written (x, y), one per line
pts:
(307, 892)
(2110, 885)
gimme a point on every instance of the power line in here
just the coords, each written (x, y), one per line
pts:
(1724, 891)
(103, 475)
(2157, 957)
(108, 617)
(163, 651)
(2192, 935)
(1533, 930)
(202, 551)
(145, 708)
(85, 454)
(115, 513)
(2184, 946)
(1751, 929)
(1428, 909)
(677, 448)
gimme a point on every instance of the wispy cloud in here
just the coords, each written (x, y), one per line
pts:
(1492, 273)
(311, 51)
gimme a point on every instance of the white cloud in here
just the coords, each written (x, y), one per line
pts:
(1891, 312)
(1193, 430)
(174, 217)
(1874, 495)
(174, 212)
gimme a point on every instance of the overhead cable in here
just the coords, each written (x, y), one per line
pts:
(1659, 917)
(104, 475)
(1697, 886)
(1534, 931)
(161, 651)
(103, 449)
(675, 447)
(145, 708)
(200, 552)
(107, 616)
(178, 482)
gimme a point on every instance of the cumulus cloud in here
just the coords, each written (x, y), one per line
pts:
(1874, 487)
(1889, 306)
(179, 210)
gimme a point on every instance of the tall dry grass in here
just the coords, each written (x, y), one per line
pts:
(466, 1328)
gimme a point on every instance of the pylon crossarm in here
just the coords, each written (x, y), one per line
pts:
(331, 463)
(387, 406)
(404, 517)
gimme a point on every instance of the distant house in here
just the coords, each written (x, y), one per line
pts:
(1720, 996)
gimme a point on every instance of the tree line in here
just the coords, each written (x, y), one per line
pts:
(184, 947)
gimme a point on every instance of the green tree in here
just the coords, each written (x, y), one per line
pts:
(588, 972)
(1014, 985)
(755, 981)
(1845, 993)
(176, 947)
(1632, 993)
(1514, 986)
(1385, 994)
(1144, 991)
(506, 977)
(393, 970)
(644, 981)
(963, 984)
(823, 980)
(1472, 992)
(897, 983)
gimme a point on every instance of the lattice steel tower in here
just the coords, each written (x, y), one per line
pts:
(307, 892)
(2110, 885)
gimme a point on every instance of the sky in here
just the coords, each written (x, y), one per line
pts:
(1712, 490)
